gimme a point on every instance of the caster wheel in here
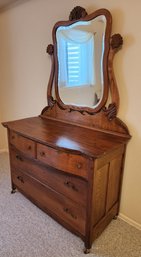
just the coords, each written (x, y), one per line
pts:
(86, 251)
(13, 191)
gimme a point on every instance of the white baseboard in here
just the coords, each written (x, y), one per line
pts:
(3, 150)
(130, 221)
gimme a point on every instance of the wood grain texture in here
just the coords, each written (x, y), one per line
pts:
(113, 183)
(98, 121)
(69, 160)
(99, 193)
(70, 163)
(23, 144)
(73, 173)
(71, 186)
(99, 227)
(52, 201)
(69, 138)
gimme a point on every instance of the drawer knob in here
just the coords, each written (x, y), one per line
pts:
(79, 165)
(29, 147)
(70, 185)
(13, 137)
(42, 154)
(20, 178)
(70, 213)
(18, 157)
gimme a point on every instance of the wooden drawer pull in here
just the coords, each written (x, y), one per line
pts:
(42, 154)
(20, 178)
(71, 185)
(18, 157)
(70, 213)
(29, 147)
(79, 165)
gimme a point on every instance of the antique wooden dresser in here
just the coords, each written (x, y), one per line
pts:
(69, 160)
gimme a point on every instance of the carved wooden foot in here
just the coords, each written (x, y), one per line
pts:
(86, 250)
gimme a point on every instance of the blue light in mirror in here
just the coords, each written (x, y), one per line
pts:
(76, 57)
(80, 51)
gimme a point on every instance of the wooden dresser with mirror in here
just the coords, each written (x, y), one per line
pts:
(69, 160)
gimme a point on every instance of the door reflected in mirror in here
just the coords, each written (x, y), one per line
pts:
(80, 51)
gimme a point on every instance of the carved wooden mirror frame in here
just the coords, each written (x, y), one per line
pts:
(104, 117)
(90, 17)
(112, 45)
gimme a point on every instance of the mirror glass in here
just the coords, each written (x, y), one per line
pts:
(80, 51)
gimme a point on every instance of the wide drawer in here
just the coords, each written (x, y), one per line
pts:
(58, 206)
(75, 164)
(71, 186)
(23, 144)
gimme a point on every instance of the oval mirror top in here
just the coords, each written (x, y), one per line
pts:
(82, 48)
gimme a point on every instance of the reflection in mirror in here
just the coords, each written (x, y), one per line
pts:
(80, 50)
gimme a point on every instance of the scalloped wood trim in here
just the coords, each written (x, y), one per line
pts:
(98, 121)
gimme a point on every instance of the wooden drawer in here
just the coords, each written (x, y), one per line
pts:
(71, 163)
(65, 210)
(23, 144)
(69, 185)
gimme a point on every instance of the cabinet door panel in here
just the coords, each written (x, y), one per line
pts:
(114, 182)
(100, 193)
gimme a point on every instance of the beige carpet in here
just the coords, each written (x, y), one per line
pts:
(26, 231)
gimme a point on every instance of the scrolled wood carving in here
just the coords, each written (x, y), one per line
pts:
(51, 104)
(50, 49)
(71, 110)
(111, 111)
(116, 41)
(51, 101)
(77, 13)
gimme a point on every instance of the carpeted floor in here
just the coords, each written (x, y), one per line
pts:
(26, 231)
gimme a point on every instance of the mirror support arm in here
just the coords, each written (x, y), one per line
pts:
(115, 45)
(50, 51)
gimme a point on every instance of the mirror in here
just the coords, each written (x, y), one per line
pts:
(80, 48)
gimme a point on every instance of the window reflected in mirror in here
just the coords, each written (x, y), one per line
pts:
(80, 49)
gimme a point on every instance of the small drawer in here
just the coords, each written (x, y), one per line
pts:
(23, 144)
(73, 187)
(71, 163)
(58, 206)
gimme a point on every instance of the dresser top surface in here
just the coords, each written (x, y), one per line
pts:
(68, 137)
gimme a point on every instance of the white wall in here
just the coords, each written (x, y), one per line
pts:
(25, 32)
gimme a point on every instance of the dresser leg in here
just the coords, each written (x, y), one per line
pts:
(88, 244)
(115, 217)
